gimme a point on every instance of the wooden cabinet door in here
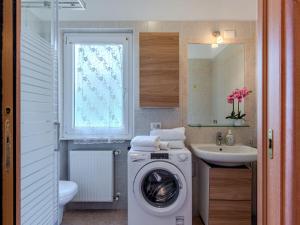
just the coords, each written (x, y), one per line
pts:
(222, 212)
(159, 70)
(230, 184)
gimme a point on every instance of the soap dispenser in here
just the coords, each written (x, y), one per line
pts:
(229, 140)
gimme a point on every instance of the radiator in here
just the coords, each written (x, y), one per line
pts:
(93, 171)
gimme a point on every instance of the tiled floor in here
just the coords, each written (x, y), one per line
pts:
(101, 217)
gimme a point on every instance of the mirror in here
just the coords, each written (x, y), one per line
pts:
(214, 74)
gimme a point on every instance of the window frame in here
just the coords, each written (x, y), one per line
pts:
(68, 129)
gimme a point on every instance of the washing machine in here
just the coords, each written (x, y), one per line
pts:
(160, 187)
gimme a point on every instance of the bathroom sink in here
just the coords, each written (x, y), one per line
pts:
(224, 155)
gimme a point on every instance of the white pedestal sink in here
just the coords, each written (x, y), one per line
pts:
(224, 155)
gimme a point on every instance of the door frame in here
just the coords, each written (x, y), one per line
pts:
(261, 111)
(10, 111)
(10, 68)
(289, 194)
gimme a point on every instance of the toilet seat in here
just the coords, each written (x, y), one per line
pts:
(67, 190)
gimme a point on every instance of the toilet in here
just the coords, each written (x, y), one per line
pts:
(67, 191)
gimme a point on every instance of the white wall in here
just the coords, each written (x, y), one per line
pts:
(167, 10)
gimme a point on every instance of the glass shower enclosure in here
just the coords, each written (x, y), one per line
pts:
(39, 142)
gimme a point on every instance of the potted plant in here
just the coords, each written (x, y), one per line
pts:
(230, 100)
(237, 95)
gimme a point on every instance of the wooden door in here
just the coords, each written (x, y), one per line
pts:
(9, 27)
(278, 46)
(274, 111)
(294, 7)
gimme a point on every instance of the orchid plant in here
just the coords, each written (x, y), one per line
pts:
(239, 95)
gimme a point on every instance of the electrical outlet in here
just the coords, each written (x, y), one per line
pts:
(155, 125)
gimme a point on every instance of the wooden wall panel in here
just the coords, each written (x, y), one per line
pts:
(159, 69)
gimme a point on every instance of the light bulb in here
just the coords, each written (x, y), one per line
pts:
(217, 39)
(220, 39)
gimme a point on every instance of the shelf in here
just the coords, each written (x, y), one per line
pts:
(216, 125)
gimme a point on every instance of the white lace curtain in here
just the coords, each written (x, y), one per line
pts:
(98, 89)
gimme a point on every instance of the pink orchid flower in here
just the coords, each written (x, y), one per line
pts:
(236, 93)
(230, 99)
(244, 92)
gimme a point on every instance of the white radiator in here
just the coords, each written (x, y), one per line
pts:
(93, 171)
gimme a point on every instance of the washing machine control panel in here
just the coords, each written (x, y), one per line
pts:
(147, 156)
(159, 156)
(138, 157)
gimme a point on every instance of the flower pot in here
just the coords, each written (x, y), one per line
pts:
(239, 122)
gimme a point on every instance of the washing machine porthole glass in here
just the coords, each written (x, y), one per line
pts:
(160, 188)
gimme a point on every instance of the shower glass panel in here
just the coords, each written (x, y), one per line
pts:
(37, 17)
(39, 160)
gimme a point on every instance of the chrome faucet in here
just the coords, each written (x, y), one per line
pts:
(219, 138)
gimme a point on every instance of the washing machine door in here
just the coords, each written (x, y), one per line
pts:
(160, 188)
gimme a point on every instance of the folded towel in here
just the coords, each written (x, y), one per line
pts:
(145, 141)
(176, 144)
(169, 134)
(164, 145)
(145, 149)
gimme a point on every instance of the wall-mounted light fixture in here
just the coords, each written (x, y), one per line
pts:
(217, 39)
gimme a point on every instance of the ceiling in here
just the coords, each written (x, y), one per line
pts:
(166, 10)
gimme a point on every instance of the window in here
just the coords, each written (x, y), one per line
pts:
(98, 86)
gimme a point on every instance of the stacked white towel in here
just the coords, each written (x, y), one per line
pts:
(164, 145)
(174, 137)
(145, 143)
(169, 134)
(176, 144)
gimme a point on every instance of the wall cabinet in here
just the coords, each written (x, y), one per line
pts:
(225, 195)
(159, 69)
